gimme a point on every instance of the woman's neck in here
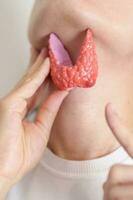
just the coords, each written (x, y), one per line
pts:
(82, 150)
(79, 132)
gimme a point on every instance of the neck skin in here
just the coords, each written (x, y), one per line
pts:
(79, 134)
(79, 150)
(80, 131)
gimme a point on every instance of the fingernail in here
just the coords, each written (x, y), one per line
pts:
(65, 94)
(69, 89)
(33, 50)
(43, 52)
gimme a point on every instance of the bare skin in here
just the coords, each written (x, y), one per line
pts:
(23, 142)
(80, 130)
(84, 115)
(119, 184)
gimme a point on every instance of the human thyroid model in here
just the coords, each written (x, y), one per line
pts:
(67, 75)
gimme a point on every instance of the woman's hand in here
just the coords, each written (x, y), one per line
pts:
(22, 142)
(120, 180)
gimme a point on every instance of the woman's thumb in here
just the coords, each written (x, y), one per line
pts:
(48, 111)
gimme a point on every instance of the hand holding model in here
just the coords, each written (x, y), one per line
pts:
(23, 142)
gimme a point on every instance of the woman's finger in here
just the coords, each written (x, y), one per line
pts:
(48, 111)
(30, 71)
(38, 62)
(119, 192)
(33, 81)
(18, 99)
(120, 131)
(32, 103)
(35, 53)
(120, 174)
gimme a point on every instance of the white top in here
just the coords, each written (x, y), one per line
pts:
(59, 179)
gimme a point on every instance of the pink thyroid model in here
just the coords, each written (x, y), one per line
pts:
(64, 74)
